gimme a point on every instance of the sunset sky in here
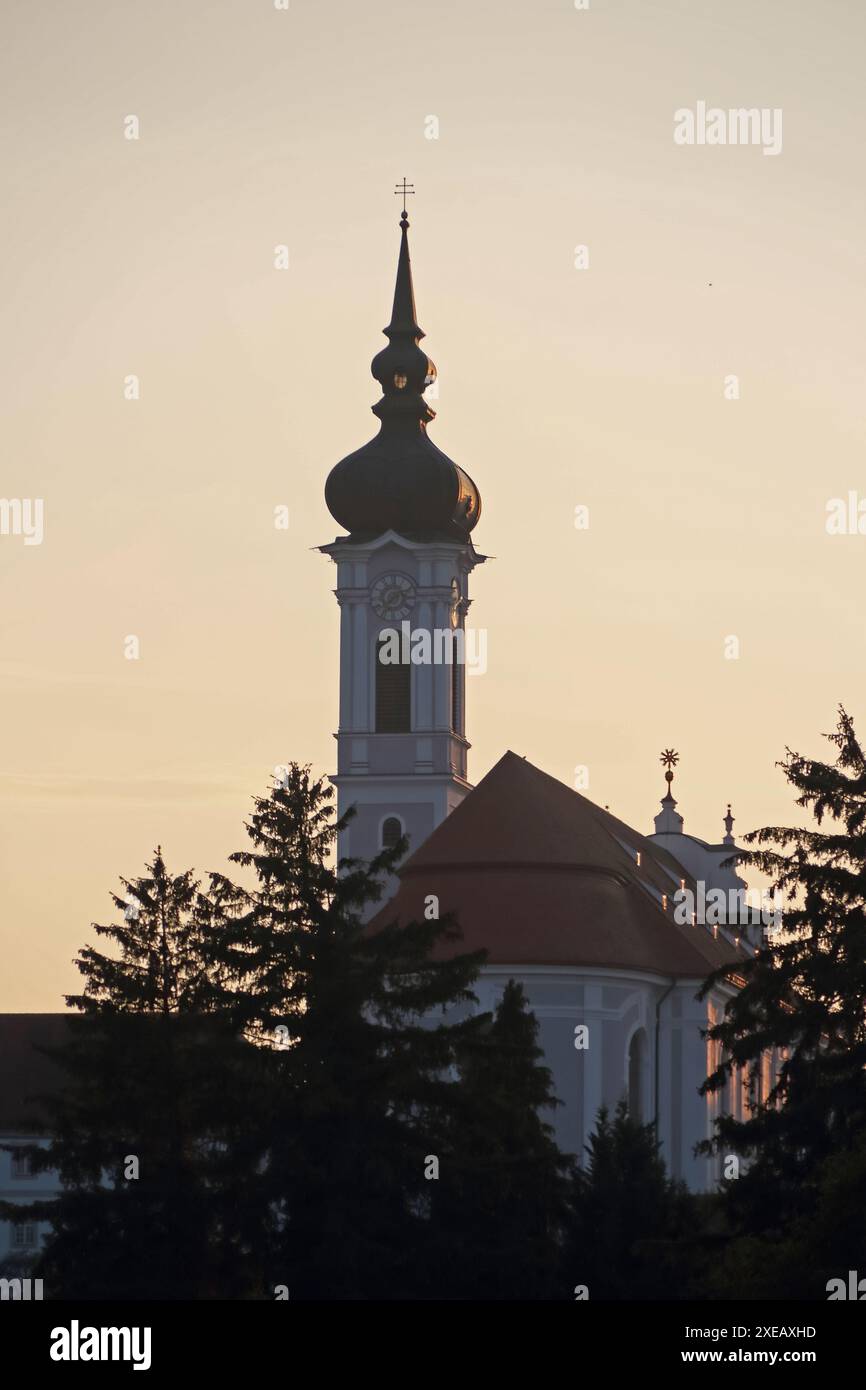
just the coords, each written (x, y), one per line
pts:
(559, 387)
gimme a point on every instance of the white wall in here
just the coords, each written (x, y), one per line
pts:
(614, 1005)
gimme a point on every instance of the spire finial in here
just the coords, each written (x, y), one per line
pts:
(669, 758)
(729, 827)
(403, 369)
(668, 821)
(407, 189)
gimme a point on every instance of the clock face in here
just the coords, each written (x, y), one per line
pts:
(393, 596)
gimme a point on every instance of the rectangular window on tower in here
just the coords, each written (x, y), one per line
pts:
(456, 686)
(393, 693)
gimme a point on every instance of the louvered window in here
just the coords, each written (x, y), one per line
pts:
(393, 695)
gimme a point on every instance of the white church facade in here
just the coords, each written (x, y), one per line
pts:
(577, 906)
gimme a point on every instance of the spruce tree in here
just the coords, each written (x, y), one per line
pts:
(803, 993)
(799, 1259)
(500, 1205)
(141, 1125)
(629, 1216)
(362, 1028)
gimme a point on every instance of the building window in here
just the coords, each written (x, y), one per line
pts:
(456, 689)
(21, 1165)
(393, 694)
(636, 1060)
(25, 1236)
(392, 829)
(766, 1077)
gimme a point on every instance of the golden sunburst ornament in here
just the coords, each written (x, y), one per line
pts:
(669, 759)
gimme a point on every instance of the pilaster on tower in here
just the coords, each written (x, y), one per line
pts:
(403, 589)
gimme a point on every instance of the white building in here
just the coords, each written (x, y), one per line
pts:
(25, 1074)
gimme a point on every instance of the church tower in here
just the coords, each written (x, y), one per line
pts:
(403, 589)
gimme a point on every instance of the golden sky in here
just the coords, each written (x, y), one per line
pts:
(602, 387)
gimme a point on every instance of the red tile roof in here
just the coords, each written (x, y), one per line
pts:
(539, 875)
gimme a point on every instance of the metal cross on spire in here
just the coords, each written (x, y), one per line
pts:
(406, 189)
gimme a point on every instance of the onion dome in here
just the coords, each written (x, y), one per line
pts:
(400, 481)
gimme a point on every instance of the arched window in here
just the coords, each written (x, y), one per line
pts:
(392, 829)
(636, 1068)
(393, 693)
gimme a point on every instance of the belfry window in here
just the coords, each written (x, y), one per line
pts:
(393, 693)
